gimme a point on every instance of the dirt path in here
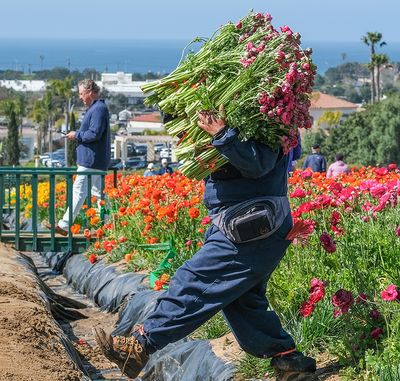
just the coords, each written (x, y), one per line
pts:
(80, 331)
(30, 346)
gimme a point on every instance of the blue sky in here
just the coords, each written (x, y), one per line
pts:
(316, 20)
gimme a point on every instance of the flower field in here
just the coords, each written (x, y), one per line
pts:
(337, 289)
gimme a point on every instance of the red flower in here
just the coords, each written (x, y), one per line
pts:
(206, 220)
(376, 333)
(306, 309)
(327, 242)
(390, 293)
(342, 301)
(92, 258)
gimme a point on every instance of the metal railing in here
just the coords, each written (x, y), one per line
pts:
(11, 180)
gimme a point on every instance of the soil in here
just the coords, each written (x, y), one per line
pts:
(30, 348)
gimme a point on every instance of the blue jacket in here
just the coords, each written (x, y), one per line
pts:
(164, 170)
(93, 138)
(316, 162)
(254, 170)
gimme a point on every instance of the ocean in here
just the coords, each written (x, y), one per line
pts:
(141, 56)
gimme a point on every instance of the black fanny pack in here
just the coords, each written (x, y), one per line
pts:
(254, 219)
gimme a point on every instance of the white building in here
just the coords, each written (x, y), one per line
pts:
(121, 83)
(145, 122)
(24, 85)
(320, 103)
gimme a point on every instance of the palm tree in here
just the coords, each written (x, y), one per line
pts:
(371, 39)
(380, 60)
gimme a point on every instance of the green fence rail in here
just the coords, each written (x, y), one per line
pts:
(36, 239)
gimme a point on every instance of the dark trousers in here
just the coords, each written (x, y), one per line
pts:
(230, 277)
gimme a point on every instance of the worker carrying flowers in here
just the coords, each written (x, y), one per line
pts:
(246, 196)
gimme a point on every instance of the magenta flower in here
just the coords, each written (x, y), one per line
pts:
(342, 300)
(376, 333)
(327, 242)
(375, 314)
(298, 193)
(390, 293)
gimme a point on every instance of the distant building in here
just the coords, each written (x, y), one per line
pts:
(320, 103)
(121, 83)
(150, 122)
(24, 85)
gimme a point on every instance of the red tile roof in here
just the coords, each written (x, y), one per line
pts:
(153, 117)
(321, 100)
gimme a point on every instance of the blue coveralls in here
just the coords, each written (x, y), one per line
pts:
(224, 275)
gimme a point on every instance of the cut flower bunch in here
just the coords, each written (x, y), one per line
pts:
(256, 78)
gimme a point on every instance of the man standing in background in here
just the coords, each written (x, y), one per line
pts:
(93, 152)
(316, 161)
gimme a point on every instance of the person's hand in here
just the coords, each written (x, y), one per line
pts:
(209, 122)
(71, 135)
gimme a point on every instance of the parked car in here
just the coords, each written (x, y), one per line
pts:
(141, 149)
(132, 163)
(158, 147)
(166, 153)
(114, 163)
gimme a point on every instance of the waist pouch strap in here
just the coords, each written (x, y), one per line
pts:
(254, 219)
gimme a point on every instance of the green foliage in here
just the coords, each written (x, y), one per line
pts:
(331, 118)
(371, 137)
(212, 329)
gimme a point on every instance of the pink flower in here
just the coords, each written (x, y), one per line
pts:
(317, 291)
(206, 220)
(298, 193)
(390, 293)
(327, 242)
(188, 243)
(397, 231)
(306, 309)
(342, 300)
(392, 167)
(376, 333)
(239, 25)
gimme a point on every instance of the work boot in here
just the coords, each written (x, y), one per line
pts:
(126, 352)
(294, 366)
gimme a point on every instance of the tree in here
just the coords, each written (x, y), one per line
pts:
(71, 144)
(12, 110)
(371, 39)
(330, 118)
(380, 60)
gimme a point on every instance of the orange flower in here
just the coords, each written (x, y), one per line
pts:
(124, 223)
(97, 245)
(194, 212)
(86, 233)
(91, 212)
(128, 257)
(75, 228)
(93, 199)
(84, 206)
(99, 233)
(95, 220)
(102, 202)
